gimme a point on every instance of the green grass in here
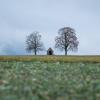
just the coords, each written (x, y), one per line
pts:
(85, 59)
(49, 81)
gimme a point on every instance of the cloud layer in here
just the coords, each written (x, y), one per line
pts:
(19, 18)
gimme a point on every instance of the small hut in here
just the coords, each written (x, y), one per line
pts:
(50, 51)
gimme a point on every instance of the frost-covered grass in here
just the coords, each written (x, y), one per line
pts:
(49, 81)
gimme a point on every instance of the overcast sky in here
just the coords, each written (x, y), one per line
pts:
(19, 18)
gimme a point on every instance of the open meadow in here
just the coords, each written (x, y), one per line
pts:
(49, 78)
(54, 58)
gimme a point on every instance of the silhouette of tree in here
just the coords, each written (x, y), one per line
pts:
(34, 43)
(66, 40)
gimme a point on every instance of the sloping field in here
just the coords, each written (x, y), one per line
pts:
(49, 81)
(90, 59)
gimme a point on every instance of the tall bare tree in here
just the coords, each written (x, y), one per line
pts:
(66, 40)
(33, 43)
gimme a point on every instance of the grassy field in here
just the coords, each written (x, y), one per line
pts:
(55, 80)
(85, 59)
(49, 77)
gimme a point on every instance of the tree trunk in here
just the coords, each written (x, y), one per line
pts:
(35, 48)
(35, 52)
(65, 51)
(66, 44)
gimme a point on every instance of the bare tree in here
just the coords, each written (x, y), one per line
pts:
(66, 40)
(34, 43)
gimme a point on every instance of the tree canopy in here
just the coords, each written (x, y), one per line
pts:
(66, 40)
(34, 43)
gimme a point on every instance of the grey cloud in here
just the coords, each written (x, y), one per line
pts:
(18, 18)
